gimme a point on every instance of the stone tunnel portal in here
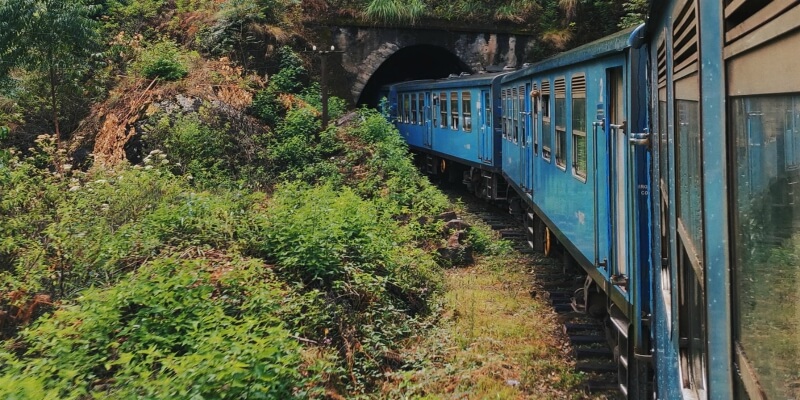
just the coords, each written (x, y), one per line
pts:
(410, 63)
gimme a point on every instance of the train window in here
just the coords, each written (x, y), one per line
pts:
(421, 109)
(454, 111)
(514, 115)
(406, 105)
(434, 111)
(466, 107)
(413, 108)
(561, 123)
(690, 176)
(547, 132)
(534, 110)
(400, 108)
(766, 181)
(443, 109)
(579, 153)
(487, 105)
(522, 113)
(504, 112)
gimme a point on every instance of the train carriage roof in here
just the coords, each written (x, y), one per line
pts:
(610, 44)
(481, 79)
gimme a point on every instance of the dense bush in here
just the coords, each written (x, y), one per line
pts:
(204, 327)
(162, 60)
(164, 276)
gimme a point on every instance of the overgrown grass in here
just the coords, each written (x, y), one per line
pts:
(494, 340)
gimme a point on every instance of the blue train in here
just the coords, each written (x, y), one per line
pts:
(665, 161)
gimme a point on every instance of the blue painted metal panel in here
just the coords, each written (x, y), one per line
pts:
(668, 382)
(577, 211)
(715, 199)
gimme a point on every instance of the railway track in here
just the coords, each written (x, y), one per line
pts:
(556, 283)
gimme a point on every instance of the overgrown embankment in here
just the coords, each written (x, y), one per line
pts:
(143, 282)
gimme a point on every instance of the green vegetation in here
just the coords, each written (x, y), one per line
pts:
(162, 60)
(51, 39)
(174, 223)
(493, 340)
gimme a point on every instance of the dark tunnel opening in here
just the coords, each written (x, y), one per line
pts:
(410, 63)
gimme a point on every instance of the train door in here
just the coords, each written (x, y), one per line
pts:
(528, 139)
(486, 130)
(523, 112)
(618, 151)
(427, 120)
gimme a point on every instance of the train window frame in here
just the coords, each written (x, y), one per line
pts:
(421, 109)
(406, 107)
(455, 115)
(489, 116)
(400, 109)
(466, 111)
(413, 119)
(560, 131)
(762, 193)
(547, 123)
(514, 115)
(443, 112)
(535, 100)
(523, 121)
(434, 110)
(578, 90)
(503, 116)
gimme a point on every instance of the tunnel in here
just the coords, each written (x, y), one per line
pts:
(411, 63)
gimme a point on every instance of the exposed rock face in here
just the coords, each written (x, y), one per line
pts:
(366, 49)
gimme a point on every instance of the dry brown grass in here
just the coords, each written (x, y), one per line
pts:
(110, 123)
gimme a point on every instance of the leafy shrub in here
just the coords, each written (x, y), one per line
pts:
(267, 107)
(162, 60)
(354, 266)
(196, 328)
(292, 76)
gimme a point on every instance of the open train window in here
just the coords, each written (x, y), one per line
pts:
(454, 111)
(547, 132)
(466, 107)
(561, 123)
(421, 108)
(579, 151)
(443, 109)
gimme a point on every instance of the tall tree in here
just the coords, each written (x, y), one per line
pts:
(51, 38)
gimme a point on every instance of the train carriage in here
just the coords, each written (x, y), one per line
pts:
(454, 119)
(570, 149)
(665, 160)
(725, 95)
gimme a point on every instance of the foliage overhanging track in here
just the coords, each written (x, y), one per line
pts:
(555, 282)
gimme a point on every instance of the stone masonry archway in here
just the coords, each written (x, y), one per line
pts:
(410, 53)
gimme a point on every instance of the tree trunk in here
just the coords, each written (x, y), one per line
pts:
(54, 107)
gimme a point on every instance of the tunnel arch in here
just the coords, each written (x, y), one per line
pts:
(422, 61)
